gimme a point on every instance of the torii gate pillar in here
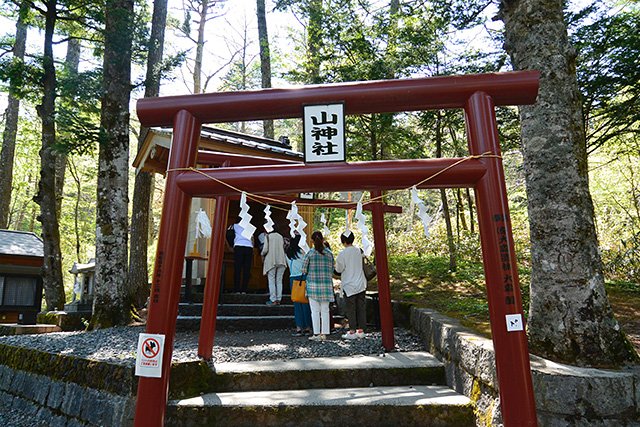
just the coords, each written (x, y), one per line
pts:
(500, 268)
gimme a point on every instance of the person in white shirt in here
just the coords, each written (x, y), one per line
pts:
(354, 285)
(242, 256)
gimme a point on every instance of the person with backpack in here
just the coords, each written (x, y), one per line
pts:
(274, 263)
(302, 311)
(353, 285)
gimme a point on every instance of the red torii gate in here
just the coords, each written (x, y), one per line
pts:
(477, 94)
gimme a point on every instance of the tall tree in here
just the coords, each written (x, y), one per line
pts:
(203, 9)
(72, 63)
(11, 117)
(570, 317)
(142, 192)
(111, 304)
(46, 196)
(265, 60)
(443, 195)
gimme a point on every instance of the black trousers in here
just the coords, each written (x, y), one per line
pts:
(242, 256)
(357, 311)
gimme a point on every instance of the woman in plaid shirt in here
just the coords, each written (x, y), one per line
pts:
(318, 266)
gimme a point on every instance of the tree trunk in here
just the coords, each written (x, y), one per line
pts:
(265, 61)
(570, 317)
(470, 203)
(197, 68)
(46, 196)
(443, 197)
(110, 305)
(314, 41)
(76, 209)
(138, 252)
(72, 63)
(11, 123)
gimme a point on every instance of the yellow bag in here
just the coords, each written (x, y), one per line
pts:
(298, 291)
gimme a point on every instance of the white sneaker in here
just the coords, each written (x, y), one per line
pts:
(359, 334)
(350, 336)
(318, 337)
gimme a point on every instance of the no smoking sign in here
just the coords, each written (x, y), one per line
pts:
(149, 356)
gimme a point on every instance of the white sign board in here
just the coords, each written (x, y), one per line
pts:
(514, 322)
(324, 139)
(149, 356)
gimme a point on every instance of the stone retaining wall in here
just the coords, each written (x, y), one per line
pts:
(58, 390)
(63, 391)
(565, 395)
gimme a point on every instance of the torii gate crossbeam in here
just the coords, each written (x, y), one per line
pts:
(477, 94)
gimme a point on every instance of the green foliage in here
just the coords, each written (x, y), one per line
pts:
(608, 74)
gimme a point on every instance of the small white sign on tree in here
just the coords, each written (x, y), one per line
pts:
(324, 139)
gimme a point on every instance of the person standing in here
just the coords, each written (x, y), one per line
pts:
(302, 311)
(274, 263)
(318, 266)
(354, 285)
(242, 256)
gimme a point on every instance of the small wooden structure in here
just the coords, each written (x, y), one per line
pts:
(21, 258)
(216, 144)
(83, 281)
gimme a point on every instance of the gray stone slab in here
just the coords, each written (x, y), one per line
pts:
(6, 399)
(43, 384)
(17, 383)
(29, 386)
(72, 401)
(56, 394)
(384, 361)
(6, 376)
(571, 390)
(93, 406)
(396, 396)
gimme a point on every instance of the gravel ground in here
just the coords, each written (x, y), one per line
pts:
(118, 345)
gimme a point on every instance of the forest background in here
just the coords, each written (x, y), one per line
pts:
(61, 81)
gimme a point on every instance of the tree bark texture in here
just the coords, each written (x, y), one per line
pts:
(265, 61)
(11, 122)
(570, 317)
(46, 196)
(110, 305)
(453, 263)
(138, 253)
(314, 41)
(197, 69)
(72, 63)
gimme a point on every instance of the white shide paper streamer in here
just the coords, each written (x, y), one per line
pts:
(325, 230)
(268, 226)
(367, 246)
(296, 223)
(422, 210)
(245, 218)
(203, 226)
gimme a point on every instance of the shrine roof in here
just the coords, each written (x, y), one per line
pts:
(21, 243)
(154, 154)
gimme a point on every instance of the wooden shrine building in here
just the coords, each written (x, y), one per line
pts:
(21, 258)
(216, 147)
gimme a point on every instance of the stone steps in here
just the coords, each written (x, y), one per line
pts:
(394, 389)
(240, 312)
(238, 323)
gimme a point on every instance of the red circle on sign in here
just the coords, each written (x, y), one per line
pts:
(150, 348)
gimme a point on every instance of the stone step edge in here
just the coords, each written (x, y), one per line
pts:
(393, 360)
(237, 317)
(360, 396)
